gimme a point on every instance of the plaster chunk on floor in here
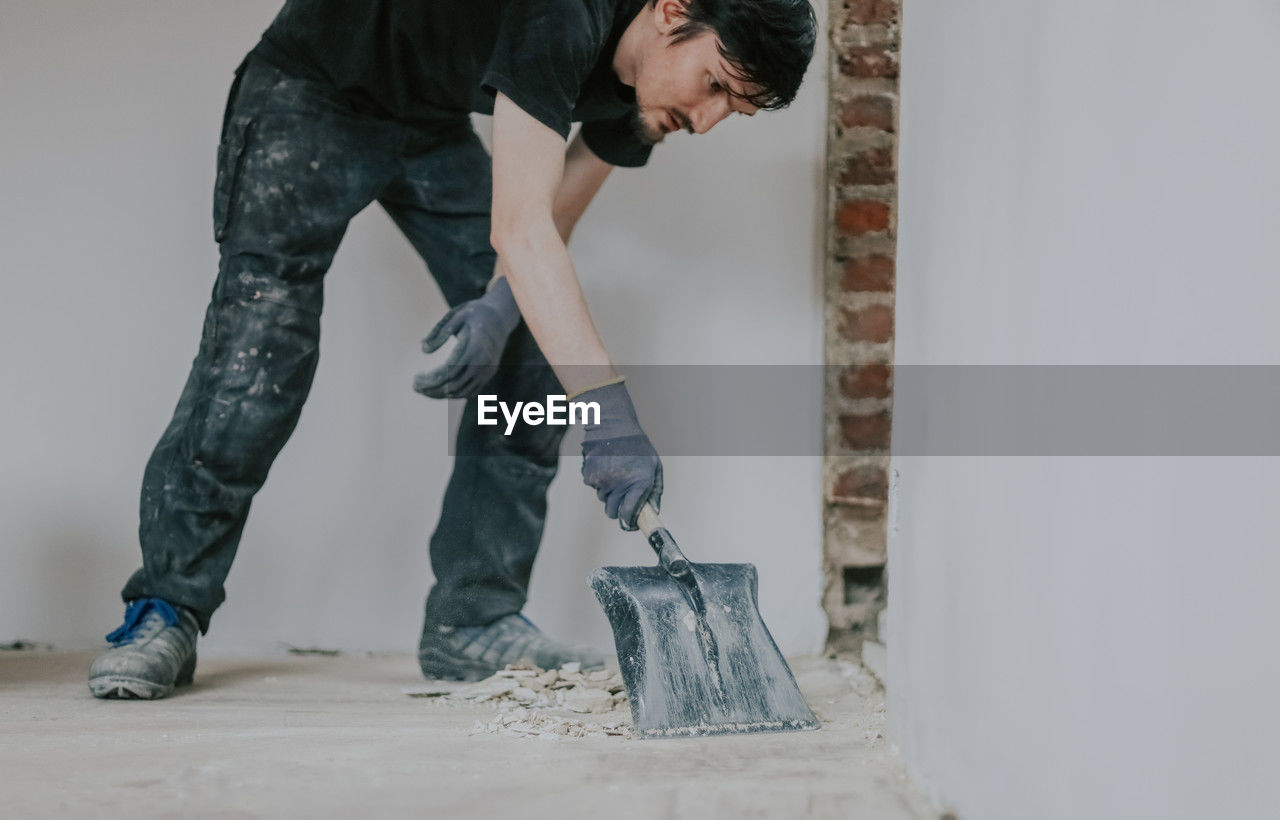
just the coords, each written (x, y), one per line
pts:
(543, 703)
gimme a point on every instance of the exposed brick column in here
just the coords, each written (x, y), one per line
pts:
(859, 281)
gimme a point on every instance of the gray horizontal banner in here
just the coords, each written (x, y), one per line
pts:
(950, 410)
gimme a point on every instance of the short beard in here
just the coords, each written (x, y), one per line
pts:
(641, 128)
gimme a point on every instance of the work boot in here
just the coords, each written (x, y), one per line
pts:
(151, 653)
(476, 652)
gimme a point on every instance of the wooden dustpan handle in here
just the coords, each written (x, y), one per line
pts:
(659, 537)
(648, 520)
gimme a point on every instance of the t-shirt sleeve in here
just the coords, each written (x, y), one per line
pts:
(616, 142)
(544, 50)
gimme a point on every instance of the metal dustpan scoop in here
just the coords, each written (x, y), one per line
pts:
(695, 655)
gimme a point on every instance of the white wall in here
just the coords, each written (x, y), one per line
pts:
(1088, 183)
(111, 112)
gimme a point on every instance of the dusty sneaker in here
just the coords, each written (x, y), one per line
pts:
(476, 652)
(151, 653)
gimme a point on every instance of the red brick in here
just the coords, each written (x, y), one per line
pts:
(856, 217)
(874, 273)
(873, 323)
(866, 381)
(866, 482)
(870, 12)
(874, 166)
(865, 431)
(868, 111)
(869, 61)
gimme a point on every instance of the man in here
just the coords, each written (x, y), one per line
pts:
(343, 103)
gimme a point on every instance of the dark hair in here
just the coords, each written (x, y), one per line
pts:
(767, 43)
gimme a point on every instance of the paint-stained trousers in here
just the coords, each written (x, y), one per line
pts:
(296, 162)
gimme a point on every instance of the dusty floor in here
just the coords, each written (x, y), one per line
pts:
(337, 736)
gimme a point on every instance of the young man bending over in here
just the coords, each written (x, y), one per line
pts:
(345, 103)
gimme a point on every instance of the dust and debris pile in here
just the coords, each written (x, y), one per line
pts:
(544, 703)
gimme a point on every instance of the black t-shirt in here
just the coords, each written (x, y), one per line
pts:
(425, 60)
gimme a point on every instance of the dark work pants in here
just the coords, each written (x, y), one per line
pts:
(295, 164)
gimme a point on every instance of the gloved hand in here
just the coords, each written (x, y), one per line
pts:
(617, 458)
(482, 327)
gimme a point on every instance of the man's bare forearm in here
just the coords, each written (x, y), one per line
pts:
(539, 191)
(543, 281)
(584, 173)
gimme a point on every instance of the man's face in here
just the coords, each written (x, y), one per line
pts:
(687, 86)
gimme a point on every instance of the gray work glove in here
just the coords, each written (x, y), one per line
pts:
(617, 458)
(482, 327)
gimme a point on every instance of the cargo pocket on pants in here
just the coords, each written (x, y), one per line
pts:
(230, 162)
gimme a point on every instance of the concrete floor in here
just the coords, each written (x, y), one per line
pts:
(335, 737)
